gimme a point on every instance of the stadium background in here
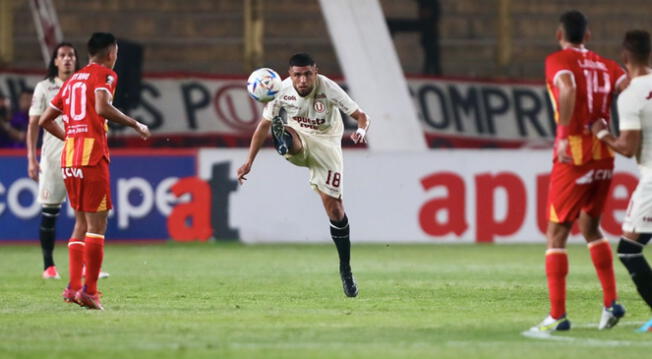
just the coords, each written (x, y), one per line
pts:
(481, 89)
(195, 281)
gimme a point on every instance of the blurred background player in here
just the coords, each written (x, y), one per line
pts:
(85, 102)
(635, 114)
(581, 84)
(63, 63)
(307, 129)
(13, 125)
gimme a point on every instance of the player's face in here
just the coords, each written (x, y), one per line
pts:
(303, 78)
(65, 60)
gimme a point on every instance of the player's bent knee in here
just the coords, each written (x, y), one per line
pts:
(628, 246)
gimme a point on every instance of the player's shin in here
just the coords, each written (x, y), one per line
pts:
(47, 233)
(340, 235)
(631, 255)
(556, 271)
(75, 262)
(603, 262)
(93, 256)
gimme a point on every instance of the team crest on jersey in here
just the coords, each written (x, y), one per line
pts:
(319, 106)
(109, 79)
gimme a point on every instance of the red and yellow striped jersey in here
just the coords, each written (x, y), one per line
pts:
(596, 79)
(85, 143)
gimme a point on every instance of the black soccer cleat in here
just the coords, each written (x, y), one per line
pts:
(348, 284)
(279, 135)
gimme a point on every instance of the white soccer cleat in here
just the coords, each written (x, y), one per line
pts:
(103, 275)
(551, 324)
(611, 315)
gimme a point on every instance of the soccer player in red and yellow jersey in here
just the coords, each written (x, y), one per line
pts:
(85, 102)
(581, 84)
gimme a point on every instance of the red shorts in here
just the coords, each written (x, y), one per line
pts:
(88, 187)
(578, 188)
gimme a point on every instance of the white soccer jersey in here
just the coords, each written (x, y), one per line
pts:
(43, 93)
(51, 187)
(635, 113)
(317, 113)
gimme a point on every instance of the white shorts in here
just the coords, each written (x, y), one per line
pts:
(639, 211)
(51, 189)
(323, 157)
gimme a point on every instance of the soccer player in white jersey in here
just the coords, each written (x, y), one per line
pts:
(635, 112)
(307, 129)
(63, 63)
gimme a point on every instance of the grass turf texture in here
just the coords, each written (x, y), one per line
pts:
(234, 301)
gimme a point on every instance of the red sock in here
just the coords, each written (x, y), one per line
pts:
(604, 267)
(76, 262)
(93, 256)
(556, 271)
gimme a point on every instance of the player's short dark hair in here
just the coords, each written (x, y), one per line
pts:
(53, 71)
(99, 43)
(637, 43)
(301, 59)
(574, 24)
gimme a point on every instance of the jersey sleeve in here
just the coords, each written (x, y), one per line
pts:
(271, 109)
(617, 74)
(57, 100)
(339, 97)
(106, 81)
(39, 100)
(557, 65)
(629, 112)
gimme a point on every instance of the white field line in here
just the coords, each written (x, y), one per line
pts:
(588, 341)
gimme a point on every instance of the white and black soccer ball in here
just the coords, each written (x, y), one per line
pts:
(263, 84)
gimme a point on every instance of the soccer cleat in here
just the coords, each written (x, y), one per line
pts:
(348, 284)
(611, 315)
(69, 295)
(647, 327)
(551, 324)
(87, 300)
(51, 273)
(278, 132)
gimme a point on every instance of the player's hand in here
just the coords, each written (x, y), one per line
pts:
(562, 151)
(598, 126)
(242, 171)
(360, 135)
(33, 169)
(142, 130)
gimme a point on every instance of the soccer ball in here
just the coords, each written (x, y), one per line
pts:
(263, 84)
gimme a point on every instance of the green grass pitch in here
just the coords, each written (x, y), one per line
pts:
(285, 301)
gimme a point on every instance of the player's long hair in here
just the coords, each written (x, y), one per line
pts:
(53, 71)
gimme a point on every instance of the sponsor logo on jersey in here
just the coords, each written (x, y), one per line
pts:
(67, 172)
(109, 79)
(306, 122)
(319, 106)
(595, 175)
(289, 98)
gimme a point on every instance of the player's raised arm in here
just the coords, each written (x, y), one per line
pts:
(47, 122)
(104, 108)
(257, 140)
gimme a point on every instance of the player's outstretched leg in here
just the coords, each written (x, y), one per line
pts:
(282, 139)
(340, 235)
(47, 234)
